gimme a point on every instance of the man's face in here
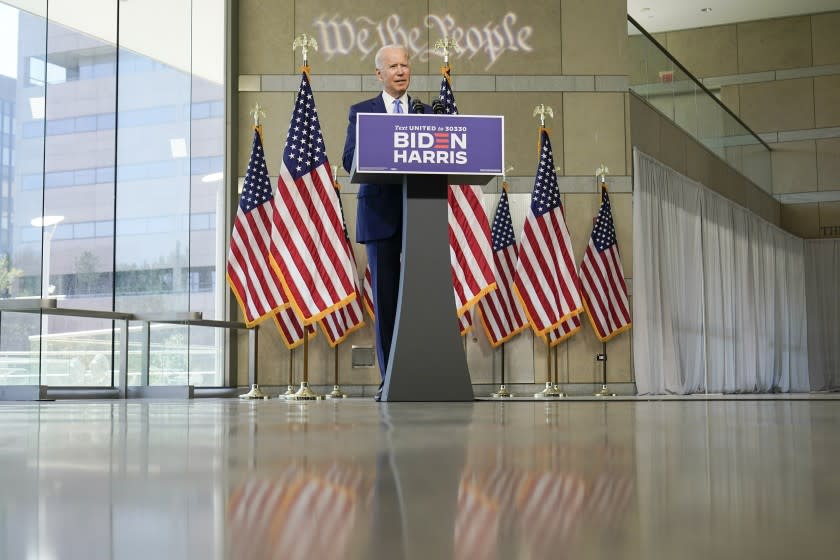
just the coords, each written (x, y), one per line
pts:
(395, 73)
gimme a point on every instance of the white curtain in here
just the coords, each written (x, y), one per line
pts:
(719, 293)
(822, 265)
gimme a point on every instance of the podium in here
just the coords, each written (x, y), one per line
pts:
(423, 155)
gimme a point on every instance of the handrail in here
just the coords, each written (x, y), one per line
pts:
(697, 81)
(48, 306)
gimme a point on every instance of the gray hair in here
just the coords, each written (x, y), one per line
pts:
(377, 60)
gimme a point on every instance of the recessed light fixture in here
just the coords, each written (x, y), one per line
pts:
(705, 10)
(213, 177)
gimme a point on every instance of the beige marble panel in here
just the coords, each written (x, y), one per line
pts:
(349, 35)
(620, 358)
(266, 33)
(826, 39)
(828, 164)
(594, 132)
(779, 105)
(794, 167)
(707, 51)
(521, 128)
(830, 214)
(641, 54)
(594, 34)
(479, 353)
(730, 97)
(519, 359)
(757, 165)
(278, 109)
(644, 127)
(774, 44)
(801, 219)
(582, 348)
(498, 37)
(672, 145)
(827, 100)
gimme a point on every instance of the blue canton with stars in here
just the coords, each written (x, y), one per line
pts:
(304, 144)
(447, 97)
(503, 225)
(546, 195)
(257, 187)
(603, 234)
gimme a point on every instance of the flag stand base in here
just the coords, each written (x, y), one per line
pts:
(502, 393)
(336, 393)
(304, 394)
(255, 393)
(558, 392)
(604, 392)
(290, 391)
(549, 392)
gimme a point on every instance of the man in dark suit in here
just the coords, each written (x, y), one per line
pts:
(379, 210)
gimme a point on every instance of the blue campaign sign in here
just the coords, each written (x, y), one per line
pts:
(440, 144)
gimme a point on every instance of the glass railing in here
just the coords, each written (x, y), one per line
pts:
(657, 77)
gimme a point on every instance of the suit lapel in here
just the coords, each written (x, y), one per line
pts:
(378, 105)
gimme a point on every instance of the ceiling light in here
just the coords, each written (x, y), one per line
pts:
(37, 107)
(178, 147)
(46, 221)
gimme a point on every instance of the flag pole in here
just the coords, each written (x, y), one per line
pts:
(557, 374)
(256, 392)
(602, 357)
(503, 393)
(305, 393)
(549, 392)
(336, 393)
(290, 389)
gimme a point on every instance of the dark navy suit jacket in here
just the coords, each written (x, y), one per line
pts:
(379, 211)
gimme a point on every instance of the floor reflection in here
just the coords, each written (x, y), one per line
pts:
(356, 480)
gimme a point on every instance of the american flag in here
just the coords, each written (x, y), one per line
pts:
(469, 232)
(546, 277)
(249, 274)
(564, 331)
(282, 517)
(308, 247)
(290, 327)
(339, 324)
(602, 278)
(465, 322)
(501, 313)
(367, 293)
(550, 505)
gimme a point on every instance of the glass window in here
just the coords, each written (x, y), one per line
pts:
(143, 257)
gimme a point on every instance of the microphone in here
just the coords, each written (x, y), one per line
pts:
(417, 106)
(437, 107)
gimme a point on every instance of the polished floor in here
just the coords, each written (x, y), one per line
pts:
(211, 479)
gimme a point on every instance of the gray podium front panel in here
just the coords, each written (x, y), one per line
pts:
(427, 361)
